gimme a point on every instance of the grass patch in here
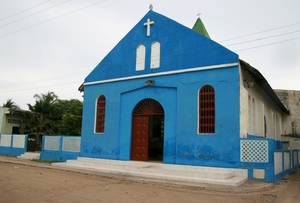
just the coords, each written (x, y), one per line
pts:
(295, 171)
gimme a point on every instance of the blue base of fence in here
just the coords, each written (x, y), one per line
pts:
(9, 151)
(58, 155)
(13, 145)
(60, 148)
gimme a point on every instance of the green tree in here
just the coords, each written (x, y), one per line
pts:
(10, 104)
(43, 117)
(72, 116)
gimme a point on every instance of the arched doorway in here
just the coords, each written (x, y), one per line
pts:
(147, 131)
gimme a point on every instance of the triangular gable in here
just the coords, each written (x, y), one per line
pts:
(180, 48)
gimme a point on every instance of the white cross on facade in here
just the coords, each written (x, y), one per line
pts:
(148, 24)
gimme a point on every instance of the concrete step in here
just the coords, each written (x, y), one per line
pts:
(30, 155)
(142, 164)
(210, 175)
(150, 167)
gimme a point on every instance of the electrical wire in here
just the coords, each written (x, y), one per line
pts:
(18, 90)
(263, 38)
(34, 25)
(45, 79)
(267, 44)
(23, 11)
(255, 33)
(189, 51)
(69, 75)
(34, 14)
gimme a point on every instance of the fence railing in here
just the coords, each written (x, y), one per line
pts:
(12, 144)
(60, 148)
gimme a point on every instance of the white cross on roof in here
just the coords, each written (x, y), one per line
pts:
(148, 24)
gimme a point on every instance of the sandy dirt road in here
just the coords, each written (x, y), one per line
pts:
(41, 183)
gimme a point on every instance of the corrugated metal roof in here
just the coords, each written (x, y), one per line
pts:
(259, 78)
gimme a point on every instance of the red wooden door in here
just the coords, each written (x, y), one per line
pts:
(139, 143)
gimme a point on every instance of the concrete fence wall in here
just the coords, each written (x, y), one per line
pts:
(264, 161)
(60, 148)
(284, 162)
(13, 145)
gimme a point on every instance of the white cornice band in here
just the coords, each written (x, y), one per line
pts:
(164, 73)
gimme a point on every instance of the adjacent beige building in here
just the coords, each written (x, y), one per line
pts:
(10, 120)
(291, 133)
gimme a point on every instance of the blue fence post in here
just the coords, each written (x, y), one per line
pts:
(272, 159)
(11, 142)
(297, 154)
(60, 147)
(25, 143)
(291, 159)
(64, 148)
(282, 153)
(43, 143)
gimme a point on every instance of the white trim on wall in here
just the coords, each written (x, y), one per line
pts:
(164, 73)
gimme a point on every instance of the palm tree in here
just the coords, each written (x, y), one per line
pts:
(43, 117)
(10, 104)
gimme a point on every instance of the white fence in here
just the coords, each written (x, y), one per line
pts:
(60, 148)
(13, 145)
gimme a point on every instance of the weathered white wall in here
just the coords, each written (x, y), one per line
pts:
(1, 118)
(244, 112)
(255, 104)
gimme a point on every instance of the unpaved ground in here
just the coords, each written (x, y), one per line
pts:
(20, 182)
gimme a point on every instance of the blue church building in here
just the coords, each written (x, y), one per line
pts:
(171, 94)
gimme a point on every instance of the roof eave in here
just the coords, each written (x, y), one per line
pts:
(81, 88)
(259, 78)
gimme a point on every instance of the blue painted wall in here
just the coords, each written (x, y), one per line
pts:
(178, 94)
(181, 48)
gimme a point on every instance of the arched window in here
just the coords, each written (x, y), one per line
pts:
(100, 114)
(265, 126)
(249, 115)
(293, 128)
(207, 110)
(155, 55)
(253, 117)
(277, 128)
(140, 57)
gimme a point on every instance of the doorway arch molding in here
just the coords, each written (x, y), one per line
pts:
(142, 128)
(148, 107)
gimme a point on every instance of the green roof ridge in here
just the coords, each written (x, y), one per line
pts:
(200, 28)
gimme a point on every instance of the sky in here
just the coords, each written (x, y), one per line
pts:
(52, 45)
